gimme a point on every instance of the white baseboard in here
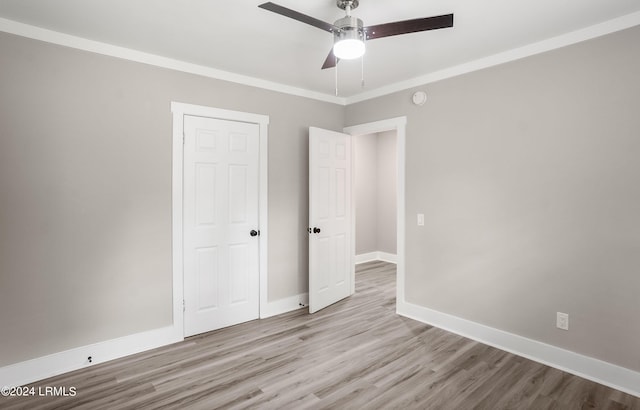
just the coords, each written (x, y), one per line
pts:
(608, 374)
(387, 257)
(366, 257)
(285, 305)
(375, 256)
(29, 371)
(40, 368)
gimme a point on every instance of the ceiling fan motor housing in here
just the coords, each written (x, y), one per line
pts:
(351, 28)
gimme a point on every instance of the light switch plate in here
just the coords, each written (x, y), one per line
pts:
(562, 321)
(420, 219)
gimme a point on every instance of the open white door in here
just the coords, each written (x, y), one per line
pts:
(330, 263)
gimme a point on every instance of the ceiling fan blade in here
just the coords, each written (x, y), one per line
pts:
(298, 16)
(409, 26)
(331, 60)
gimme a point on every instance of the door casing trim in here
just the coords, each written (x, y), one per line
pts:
(179, 110)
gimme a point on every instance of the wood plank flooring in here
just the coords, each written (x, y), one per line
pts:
(356, 354)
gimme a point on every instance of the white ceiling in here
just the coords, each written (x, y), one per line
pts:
(237, 36)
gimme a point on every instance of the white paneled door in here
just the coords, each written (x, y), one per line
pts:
(330, 264)
(221, 247)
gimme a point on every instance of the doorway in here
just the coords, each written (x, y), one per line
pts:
(397, 125)
(375, 169)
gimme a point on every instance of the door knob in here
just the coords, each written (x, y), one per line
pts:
(316, 230)
(254, 232)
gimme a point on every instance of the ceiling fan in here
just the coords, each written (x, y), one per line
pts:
(350, 34)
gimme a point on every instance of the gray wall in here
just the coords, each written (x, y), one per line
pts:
(366, 193)
(528, 175)
(85, 182)
(387, 192)
(375, 192)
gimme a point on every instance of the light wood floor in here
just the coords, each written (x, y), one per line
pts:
(356, 354)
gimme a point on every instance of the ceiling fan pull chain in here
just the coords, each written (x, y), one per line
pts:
(362, 66)
(336, 77)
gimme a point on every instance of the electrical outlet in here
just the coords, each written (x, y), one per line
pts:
(420, 219)
(562, 320)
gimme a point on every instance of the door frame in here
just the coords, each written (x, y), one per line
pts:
(399, 125)
(179, 110)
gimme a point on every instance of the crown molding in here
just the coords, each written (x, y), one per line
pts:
(598, 30)
(55, 37)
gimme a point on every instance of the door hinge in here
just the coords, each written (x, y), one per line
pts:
(183, 138)
(184, 308)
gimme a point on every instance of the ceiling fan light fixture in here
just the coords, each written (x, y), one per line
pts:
(348, 41)
(349, 49)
